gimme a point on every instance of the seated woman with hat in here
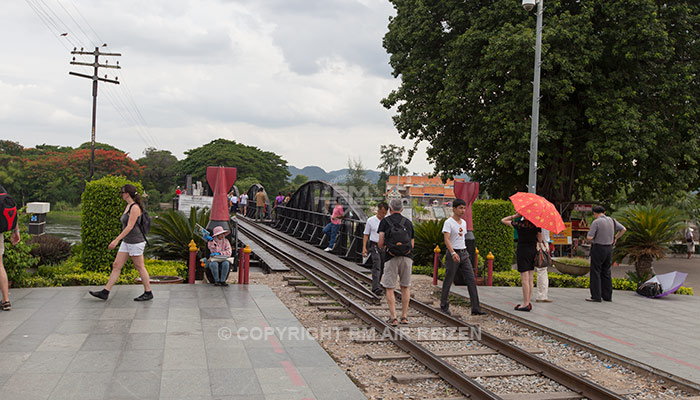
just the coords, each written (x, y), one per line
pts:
(219, 246)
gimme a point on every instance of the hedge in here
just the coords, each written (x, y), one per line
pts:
(512, 278)
(491, 235)
(101, 208)
(72, 273)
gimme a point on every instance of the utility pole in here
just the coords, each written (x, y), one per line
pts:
(94, 78)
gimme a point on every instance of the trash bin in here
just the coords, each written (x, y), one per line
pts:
(37, 217)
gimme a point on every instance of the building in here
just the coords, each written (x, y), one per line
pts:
(427, 191)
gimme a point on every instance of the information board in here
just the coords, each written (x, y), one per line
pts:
(187, 201)
(564, 237)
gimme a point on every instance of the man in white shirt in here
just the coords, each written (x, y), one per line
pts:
(457, 259)
(371, 235)
(244, 203)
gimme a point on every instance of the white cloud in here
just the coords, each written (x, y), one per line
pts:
(302, 78)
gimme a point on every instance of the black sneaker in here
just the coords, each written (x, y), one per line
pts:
(479, 312)
(224, 284)
(102, 294)
(446, 311)
(144, 297)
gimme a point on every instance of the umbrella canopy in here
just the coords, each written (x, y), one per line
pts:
(538, 210)
(669, 282)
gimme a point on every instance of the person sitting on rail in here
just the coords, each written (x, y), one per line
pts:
(331, 230)
(220, 249)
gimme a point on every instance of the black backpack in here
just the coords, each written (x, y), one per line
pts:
(398, 239)
(649, 289)
(8, 211)
(144, 222)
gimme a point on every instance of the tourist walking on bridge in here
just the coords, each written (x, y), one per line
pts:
(244, 203)
(528, 237)
(133, 242)
(260, 205)
(371, 237)
(458, 259)
(603, 234)
(396, 236)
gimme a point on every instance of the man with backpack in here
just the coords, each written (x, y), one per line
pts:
(8, 222)
(396, 237)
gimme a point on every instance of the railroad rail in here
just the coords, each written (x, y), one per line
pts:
(353, 281)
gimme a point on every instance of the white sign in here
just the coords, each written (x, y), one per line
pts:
(186, 202)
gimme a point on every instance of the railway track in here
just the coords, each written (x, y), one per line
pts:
(348, 287)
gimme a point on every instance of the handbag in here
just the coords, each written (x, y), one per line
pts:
(542, 257)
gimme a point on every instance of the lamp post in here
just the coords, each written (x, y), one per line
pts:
(534, 128)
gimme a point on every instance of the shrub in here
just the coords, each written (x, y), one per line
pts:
(101, 208)
(50, 249)
(491, 235)
(578, 261)
(18, 258)
(428, 234)
(71, 273)
(172, 232)
(512, 278)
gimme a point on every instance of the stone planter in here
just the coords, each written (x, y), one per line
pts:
(571, 269)
(161, 279)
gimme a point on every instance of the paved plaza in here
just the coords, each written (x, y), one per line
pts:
(190, 342)
(661, 333)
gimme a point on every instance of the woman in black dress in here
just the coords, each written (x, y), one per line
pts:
(528, 236)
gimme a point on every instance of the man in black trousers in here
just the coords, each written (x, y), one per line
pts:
(603, 234)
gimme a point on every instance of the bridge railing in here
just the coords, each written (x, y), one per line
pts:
(308, 225)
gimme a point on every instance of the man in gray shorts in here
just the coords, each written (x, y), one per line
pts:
(396, 236)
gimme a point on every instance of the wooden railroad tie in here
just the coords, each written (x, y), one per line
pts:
(321, 302)
(341, 316)
(290, 277)
(481, 352)
(316, 292)
(297, 282)
(418, 339)
(409, 378)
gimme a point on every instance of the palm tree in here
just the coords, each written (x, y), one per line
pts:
(427, 235)
(650, 233)
(173, 232)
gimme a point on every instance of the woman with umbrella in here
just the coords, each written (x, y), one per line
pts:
(533, 213)
(528, 237)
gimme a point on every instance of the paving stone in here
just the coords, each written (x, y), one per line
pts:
(76, 326)
(134, 385)
(29, 386)
(185, 384)
(63, 342)
(91, 361)
(232, 381)
(188, 358)
(148, 326)
(266, 358)
(145, 341)
(46, 362)
(141, 360)
(104, 341)
(218, 358)
(10, 361)
(112, 326)
(82, 385)
(22, 342)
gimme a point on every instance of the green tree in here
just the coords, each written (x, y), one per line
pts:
(391, 157)
(10, 148)
(249, 161)
(159, 170)
(245, 183)
(619, 104)
(98, 145)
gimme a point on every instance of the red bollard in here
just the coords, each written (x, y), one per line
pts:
(240, 266)
(246, 264)
(193, 261)
(489, 261)
(476, 263)
(436, 262)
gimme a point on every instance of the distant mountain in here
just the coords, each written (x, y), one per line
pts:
(315, 173)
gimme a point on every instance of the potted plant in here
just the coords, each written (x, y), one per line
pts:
(650, 234)
(575, 266)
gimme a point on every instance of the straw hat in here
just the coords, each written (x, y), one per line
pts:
(219, 230)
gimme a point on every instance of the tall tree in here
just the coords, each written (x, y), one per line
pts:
(249, 161)
(392, 160)
(159, 170)
(619, 108)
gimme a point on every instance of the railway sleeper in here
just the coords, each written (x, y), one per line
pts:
(464, 353)
(418, 339)
(410, 378)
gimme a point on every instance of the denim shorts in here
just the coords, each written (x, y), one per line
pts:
(134, 249)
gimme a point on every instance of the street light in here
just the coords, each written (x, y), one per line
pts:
(534, 129)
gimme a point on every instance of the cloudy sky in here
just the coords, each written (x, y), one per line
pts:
(301, 78)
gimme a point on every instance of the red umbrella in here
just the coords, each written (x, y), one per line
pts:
(538, 210)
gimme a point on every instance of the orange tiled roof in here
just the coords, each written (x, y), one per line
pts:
(431, 191)
(417, 180)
